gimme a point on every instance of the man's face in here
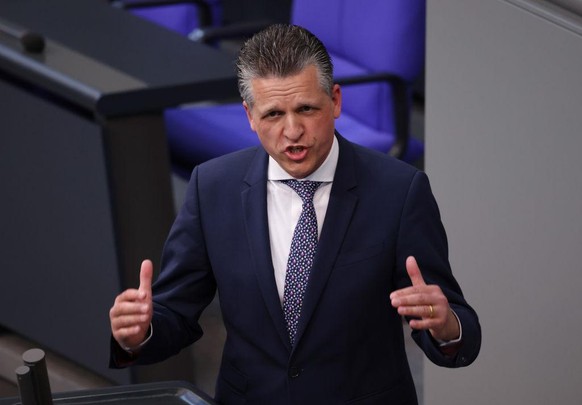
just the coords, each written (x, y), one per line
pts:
(294, 119)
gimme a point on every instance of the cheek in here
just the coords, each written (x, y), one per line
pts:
(270, 131)
(267, 137)
(322, 126)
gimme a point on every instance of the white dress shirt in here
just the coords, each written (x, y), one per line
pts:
(284, 208)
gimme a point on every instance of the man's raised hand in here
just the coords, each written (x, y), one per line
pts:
(426, 304)
(132, 311)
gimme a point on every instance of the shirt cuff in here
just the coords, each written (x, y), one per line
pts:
(445, 343)
(134, 349)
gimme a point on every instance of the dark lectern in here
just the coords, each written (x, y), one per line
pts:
(162, 393)
(85, 191)
(34, 389)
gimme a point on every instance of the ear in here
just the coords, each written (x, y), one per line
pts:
(249, 115)
(336, 98)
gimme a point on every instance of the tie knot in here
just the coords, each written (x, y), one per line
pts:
(306, 189)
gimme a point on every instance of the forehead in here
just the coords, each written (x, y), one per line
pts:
(303, 85)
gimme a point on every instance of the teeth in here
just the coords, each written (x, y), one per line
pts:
(296, 149)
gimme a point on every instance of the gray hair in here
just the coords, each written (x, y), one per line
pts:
(282, 50)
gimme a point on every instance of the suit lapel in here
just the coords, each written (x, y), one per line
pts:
(254, 201)
(342, 203)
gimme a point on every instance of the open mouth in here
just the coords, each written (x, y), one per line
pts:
(295, 149)
(296, 152)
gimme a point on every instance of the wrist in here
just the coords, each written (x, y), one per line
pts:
(452, 332)
(136, 349)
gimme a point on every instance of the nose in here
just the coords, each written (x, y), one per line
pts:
(292, 128)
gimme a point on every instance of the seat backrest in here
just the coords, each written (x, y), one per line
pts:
(182, 17)
(366, 36)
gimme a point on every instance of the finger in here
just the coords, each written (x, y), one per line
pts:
(410, 297)
(122, 334)
(128, 308)
(434, 324)
(406, 293)
(414, 271)
(416, 295)
(145, 278)
(129, 295)
(131, 336)
(425, 324)
(419, 311)
(129, 321)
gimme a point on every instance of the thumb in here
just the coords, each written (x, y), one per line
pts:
(145, 278)
(414, 271)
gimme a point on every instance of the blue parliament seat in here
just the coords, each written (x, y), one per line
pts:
(378, 50)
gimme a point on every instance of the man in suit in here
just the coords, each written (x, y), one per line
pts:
(326, 330)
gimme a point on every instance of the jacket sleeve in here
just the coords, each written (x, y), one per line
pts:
(184, 288)
(423, 236)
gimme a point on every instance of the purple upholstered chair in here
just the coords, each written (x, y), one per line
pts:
(377, 47)
(181, 16)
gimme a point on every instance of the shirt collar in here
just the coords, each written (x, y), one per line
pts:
(324, 173)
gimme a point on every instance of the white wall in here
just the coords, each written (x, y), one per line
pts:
(504, 145)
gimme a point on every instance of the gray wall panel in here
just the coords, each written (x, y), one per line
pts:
(503, 135)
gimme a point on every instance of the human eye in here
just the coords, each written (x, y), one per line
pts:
(307, 109)
(272, 114)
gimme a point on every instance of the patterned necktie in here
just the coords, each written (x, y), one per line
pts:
(303, 246)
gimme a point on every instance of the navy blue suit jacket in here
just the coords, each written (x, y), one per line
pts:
(349, 345)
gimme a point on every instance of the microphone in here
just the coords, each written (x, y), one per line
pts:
(30, 41)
